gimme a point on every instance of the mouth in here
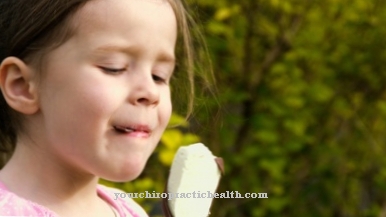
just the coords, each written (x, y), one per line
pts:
(132, 129)
(122, 129)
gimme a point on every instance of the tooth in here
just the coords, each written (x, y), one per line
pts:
(128, 130)
(194, 168)
(124, 129)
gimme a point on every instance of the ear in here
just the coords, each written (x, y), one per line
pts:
(17, 85)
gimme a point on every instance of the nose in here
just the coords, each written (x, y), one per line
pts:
(145, 91)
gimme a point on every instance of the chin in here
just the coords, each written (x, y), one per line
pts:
(125, 175)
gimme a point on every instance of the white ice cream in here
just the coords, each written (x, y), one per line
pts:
(193, 170)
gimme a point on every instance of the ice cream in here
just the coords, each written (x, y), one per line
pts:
(195, 173)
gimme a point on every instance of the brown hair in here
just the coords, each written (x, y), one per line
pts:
(30, 29)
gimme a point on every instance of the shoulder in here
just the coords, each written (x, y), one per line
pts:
(13, 205)
(126, 203)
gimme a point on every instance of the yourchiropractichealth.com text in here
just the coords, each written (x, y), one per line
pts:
(194, 194)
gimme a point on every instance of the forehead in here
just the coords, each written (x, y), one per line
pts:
(143, 24)
(104, 11)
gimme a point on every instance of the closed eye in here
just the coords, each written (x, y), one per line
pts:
(112, 70)
(159, 79)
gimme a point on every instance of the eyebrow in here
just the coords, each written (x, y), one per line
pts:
(163, 57)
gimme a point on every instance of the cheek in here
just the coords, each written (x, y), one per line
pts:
(92, 101)
(77, 108)
(166, 111)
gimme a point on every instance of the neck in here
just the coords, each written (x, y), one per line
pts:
(47, 180)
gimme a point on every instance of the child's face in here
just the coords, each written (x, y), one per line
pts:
(106, 77)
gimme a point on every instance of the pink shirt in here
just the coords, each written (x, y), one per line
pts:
(13, 205)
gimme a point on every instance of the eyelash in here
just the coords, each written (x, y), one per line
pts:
(158, 79)
(112, 70)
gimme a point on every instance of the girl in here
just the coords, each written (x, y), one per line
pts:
(85, 94)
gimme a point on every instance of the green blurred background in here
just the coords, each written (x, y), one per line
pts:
(299, 112)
